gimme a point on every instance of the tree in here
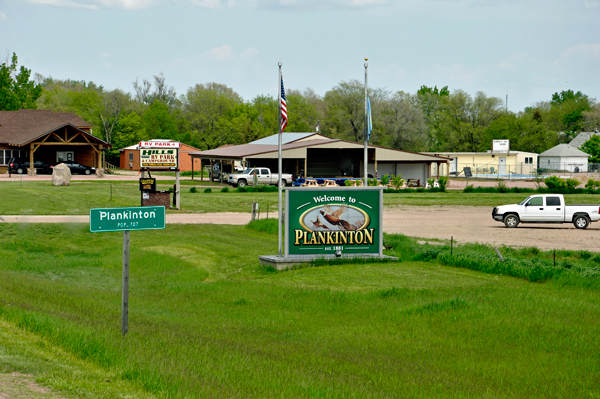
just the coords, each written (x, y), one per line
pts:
(159, 123)
(403, 122)
(571, 107)
(16, 89)
(592, 148)
(112, 106)
(345, 110)
(525, 130)
(302, 112)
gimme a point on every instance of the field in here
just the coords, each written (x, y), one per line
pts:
(206, 321)
(41, 198)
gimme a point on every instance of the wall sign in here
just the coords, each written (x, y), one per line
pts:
(323, 221)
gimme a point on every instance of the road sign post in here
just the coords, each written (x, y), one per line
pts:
(125, 220)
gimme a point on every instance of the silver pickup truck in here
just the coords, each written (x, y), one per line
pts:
(547, 208)
(263, 176)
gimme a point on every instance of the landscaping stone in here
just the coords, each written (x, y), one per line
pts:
(61, 175)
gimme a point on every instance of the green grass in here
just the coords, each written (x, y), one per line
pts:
(41, 198)
(207, 321)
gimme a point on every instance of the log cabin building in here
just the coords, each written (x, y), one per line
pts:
(52, 137)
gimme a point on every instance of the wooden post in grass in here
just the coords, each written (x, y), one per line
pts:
(125, 302)
(451, 244)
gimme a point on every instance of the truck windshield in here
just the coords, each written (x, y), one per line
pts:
(524, 201)
(248, 172)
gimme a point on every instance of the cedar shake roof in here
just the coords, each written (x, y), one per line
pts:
(26, 125)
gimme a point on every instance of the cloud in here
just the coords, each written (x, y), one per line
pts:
(221, 53)
(591, 4)
(512, 62)
(3, 16)
(311, 5)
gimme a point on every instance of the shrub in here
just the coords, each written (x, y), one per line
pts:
(349, 182)
(208, 190)
(443, 182)
(372, 182)
(225, 190)
(555, 183)
(397, 181)
(571, 184)
(385, 180)
(193, 190)
(502, 186)
(468, 188)
(591, 183)
(430, 182)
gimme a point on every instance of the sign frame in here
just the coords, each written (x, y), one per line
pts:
(346, 191)
(162, 148)
(501, 146)
(127, 218)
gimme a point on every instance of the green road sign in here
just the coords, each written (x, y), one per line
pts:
(323, 221)
(124, 219)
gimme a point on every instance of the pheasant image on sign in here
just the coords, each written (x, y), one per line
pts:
(341, 217)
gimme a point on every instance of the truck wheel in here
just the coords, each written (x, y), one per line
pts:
(241, 183)
(284, 182)
(20, 171)
(581, 222)
(511, 221)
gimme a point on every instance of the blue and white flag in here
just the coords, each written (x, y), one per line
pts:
(369, 119)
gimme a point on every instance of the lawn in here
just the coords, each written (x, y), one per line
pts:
(41, 198)
(207, 321)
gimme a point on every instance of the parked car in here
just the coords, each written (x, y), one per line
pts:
(547, 208)
(20, 166)
(79, 168)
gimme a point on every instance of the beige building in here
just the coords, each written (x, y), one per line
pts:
(489, 164)
(318, 156)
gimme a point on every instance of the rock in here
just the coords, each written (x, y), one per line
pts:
(99, 173)
(61, 175)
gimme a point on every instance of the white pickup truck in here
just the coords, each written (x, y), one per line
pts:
(547, 208)
(263, 176)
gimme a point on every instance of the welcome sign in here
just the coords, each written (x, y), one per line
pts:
(326, 221)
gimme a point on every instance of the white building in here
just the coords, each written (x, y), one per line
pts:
(564, 157)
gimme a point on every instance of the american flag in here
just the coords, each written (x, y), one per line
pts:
(284, 118)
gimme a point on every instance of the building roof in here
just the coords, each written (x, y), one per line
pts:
(581, 138)
(313, 140)
(564, 150)
(287, 138)
(25, 125)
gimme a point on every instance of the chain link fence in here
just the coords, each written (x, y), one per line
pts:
(521, 171)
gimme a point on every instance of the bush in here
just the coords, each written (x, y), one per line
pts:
(349, 182)
(502, 186)
(397, 181)
(372, 182)
(193, 190)
(430, 182)
(571, 184)
(443, 182)
(555, 183)
(207, 190)
(225, 190)
(385, 180)
(469, 188)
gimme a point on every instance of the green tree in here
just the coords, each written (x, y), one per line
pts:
(525, 130)
(159, 123)
(592, 147)
(16, 89)
(403, 122)
(571, 106)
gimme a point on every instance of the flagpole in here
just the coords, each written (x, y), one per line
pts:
(279, 162)
(366, 161)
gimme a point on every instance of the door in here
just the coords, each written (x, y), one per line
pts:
(534, 210)
(555, 211)
(502, 165)
(264, 176)
(453, 166)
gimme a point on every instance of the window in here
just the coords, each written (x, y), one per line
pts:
(131, 157)
(264, 171)
(551, 201)
(529, 160)
(536, 201)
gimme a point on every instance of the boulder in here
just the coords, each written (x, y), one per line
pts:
(99, 172)
(61, 175)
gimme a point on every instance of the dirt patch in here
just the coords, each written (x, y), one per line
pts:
(23, 386)
(475, 224)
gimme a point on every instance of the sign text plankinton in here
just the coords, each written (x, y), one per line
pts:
(323, 221)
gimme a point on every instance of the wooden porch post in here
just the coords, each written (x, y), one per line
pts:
(31, 151)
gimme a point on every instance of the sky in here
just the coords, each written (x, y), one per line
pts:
(528, 49)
